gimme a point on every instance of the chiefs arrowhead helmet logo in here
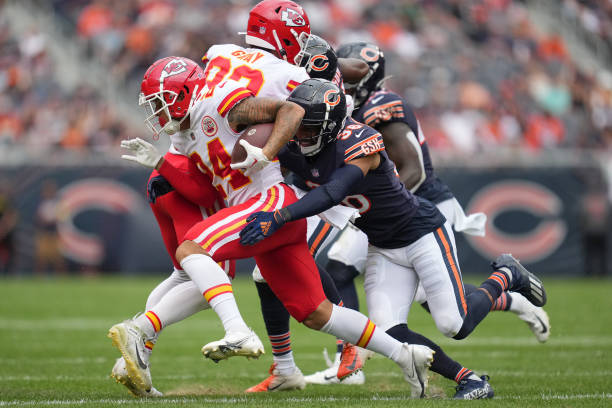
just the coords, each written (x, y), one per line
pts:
(292, 18)
(173, 67)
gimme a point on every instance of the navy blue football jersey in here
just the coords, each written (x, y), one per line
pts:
(385, 106)
(390, 215)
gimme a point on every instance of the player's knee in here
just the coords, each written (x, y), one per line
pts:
(188, 248)
(321, 315)
(449, 327)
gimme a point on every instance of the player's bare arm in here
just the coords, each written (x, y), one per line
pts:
(352, 69)
(402, 148)
(286, 116)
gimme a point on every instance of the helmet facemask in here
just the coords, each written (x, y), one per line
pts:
(323, 132)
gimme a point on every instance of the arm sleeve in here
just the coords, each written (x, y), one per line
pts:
(189, 182)
(327, 195)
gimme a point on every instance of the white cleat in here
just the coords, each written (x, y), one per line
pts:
(415, 361)
(279, 382)
(130, 341)
(120, 374)
(330, 375)
(535, 317)
(324, 377)
(234, 344)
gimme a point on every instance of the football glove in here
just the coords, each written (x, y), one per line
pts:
(255, 159)
(144, 152)
(260, 225)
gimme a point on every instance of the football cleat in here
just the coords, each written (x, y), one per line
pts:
(535, 317)
(234, 344)
(474, 389)
(120, 374)
(130, 340)
(523, 281)
(330, 374)
(414, 361)
(278, 382)
(350, 361)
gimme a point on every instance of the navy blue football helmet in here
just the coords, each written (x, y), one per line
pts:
(325, 107)
(373, 80)
(317, 56)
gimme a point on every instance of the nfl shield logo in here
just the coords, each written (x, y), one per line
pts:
(315, 172)
(262, 30)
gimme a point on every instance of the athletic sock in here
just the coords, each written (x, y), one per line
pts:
(497, 283)
(215, 286)
(282, 354)
(177, 304)
(329, 288)
(465, 374)
(357, 329)
(276, 318)
(149, 323)
(503, 302)
(481, 301)
(339, 346)
(343, 276)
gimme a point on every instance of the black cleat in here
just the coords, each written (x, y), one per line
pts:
(523, 281)
(474, 389)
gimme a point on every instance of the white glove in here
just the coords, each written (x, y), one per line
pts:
(255, 159)
(144, 152)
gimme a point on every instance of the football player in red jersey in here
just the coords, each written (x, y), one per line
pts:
(176, 210)
(176, 93)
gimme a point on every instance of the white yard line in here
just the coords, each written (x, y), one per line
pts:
(242, 401)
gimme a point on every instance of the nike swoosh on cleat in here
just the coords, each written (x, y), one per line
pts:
(140, 362)
(276, 386)
(414, 369)
(544, 328)
(353, 364)
(326, 378)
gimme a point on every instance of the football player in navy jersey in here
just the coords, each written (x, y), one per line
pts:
(320, 61)
(409, 239)
(407, 147)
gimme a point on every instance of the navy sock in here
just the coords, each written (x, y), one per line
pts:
(275, 316)
(442, 364)
(329, 288)
(480, 301)
(344, 279)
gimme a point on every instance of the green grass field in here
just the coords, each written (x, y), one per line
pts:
(54, 352)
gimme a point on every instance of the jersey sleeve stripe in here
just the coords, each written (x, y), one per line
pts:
(393, 109)
(357, 146)
(232, 99)
(357, 150)
(291, 85)
(359, 153)
(386, 105)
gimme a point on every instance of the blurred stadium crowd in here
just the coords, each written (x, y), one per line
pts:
(480, 73)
